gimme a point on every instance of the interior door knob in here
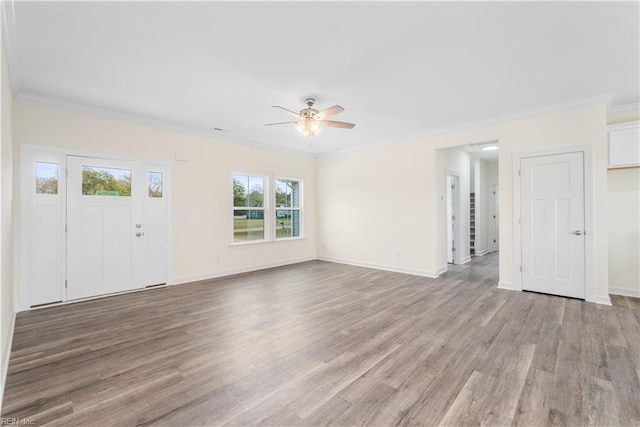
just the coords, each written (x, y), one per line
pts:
(578, 232)
(139, 234)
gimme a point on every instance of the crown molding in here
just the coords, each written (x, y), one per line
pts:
(9, 36)
(72, 106)
(555, 108)
(624, 108)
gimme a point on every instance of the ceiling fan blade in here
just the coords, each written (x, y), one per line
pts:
(334, 124)
(288, 111)
(328, 112)
(280, 123)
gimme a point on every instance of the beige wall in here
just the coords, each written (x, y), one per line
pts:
(6, 220)
(378, 201)
(201, 186)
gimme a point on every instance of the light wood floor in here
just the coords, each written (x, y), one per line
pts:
(319, 343)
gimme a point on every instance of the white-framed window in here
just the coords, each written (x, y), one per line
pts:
(288, 208)
(254, 220)
(249, 208)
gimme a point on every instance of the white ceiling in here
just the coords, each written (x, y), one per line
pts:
(400, 70)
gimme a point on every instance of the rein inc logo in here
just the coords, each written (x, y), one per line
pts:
(5, 421)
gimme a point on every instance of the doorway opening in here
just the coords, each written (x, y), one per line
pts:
(467, 177)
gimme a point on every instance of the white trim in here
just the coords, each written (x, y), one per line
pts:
(24, 296)
(555, 108)
(588, 216)
(635, 293)
(67, 105)
(482, 252)
(465, 260)
(221, 136)
(623, 126)
(507, 285)
(225, 273)
(404, 270)
(11, 44)
(602, 299)
(5, 362)
(457, 239)
(624, 108)
(442, 271)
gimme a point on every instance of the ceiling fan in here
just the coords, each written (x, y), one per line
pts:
(309, 120)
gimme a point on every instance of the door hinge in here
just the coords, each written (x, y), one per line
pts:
(65, 228)
(453, 187)
(519, 172)
(453, 217)
(520, 269)
(453, 249)
(65, 284)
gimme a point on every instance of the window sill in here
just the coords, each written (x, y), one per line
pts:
(262, 242)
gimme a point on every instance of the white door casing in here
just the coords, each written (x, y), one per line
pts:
(101, 252)
(552, 217)
(494, 219)
(452, 219)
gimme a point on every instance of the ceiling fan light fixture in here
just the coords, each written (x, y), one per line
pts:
(308, 127)
(311, 121)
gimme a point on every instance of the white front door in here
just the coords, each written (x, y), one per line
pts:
(115, 227)
(552, 224)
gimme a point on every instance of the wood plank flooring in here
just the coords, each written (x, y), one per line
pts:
(328, 344)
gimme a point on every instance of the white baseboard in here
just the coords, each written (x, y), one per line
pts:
(602, 299)
(215, 275)
(482, 252)
(465, 260)
(443, 270)
(412, 271)
(625, 292)
(5, 362)
(506, 285)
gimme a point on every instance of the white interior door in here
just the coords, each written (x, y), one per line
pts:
(115, 227)
(552, 224)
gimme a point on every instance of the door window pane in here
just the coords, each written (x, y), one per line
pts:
(155, 184)
(46, 178)
(248, 225)
(99, 181)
